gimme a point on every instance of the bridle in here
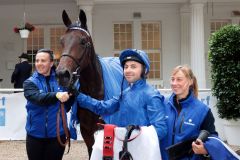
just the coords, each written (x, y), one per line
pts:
(76, 73)
(71, 87)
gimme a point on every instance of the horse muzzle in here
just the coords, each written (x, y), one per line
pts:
(63, 77)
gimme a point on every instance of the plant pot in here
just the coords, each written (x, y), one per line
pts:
(232, 130)
(24, 33)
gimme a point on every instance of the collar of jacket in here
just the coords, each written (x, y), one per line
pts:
(184, 102)
(52, 75)
(137, 84)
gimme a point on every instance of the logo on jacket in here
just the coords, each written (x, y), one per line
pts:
(189, 122)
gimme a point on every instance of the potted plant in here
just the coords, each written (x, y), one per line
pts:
(224, 56)
(24, 30)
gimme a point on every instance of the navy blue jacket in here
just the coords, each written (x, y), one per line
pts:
(187, 124)
(42, 105)
(21, 72)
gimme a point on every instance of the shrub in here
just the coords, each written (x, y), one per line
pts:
(224, 56)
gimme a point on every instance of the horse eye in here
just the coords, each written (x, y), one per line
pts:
(83, 41)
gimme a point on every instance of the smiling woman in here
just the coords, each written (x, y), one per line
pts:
(187, 117)
(44, 61)
(182, 80)
(45, 98)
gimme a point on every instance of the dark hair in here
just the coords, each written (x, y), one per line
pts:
(144, 74)
(49, 51)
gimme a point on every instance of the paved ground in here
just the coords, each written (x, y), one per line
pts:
(15, 150)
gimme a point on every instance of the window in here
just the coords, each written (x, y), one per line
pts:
(150, 42)
(122, 36)
(45, 37)
(35, 41)
(217, 24)
(150, 36)
(55, 35)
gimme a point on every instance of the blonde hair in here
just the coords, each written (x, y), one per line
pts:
(189, 74)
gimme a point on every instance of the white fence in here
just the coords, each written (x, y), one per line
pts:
(13, 113)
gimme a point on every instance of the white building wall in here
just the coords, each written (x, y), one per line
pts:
(11, 45)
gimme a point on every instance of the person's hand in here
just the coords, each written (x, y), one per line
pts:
(62, 96)
(198, 147)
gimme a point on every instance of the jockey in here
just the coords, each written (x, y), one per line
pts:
(139, 98)
(137, 104)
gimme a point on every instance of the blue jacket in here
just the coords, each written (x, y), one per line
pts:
(186, 125)
(42, 106)
(140, 104)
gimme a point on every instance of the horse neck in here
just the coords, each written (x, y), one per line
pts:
(91, 79)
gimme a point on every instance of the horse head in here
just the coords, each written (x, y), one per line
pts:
(77, 49)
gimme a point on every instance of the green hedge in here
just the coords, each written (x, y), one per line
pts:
(224, 56)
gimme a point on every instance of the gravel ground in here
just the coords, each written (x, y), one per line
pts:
(15, 150)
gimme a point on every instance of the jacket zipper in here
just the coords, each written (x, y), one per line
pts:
(46, 123)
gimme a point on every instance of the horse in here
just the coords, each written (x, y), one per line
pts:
(79, 57)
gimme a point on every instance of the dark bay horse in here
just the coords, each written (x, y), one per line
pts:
(79, 57)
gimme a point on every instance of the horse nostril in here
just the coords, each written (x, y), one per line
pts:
(63, 77)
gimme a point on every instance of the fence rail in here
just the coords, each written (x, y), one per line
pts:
(11, 90)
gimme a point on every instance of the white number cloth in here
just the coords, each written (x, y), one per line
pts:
(143, 147)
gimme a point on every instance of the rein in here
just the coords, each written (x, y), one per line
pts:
(61, 112)
(125, 154)
(131, 128)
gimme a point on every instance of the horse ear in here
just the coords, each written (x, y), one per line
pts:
(83, 19)
(66, 19)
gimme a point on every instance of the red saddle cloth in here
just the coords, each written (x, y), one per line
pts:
(108, 142)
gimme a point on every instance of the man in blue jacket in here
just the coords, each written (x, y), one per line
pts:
(43, 96)
(138, 104)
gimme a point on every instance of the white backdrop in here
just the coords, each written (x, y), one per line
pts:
(13, 114)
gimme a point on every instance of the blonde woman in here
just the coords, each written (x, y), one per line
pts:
(186, 117)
